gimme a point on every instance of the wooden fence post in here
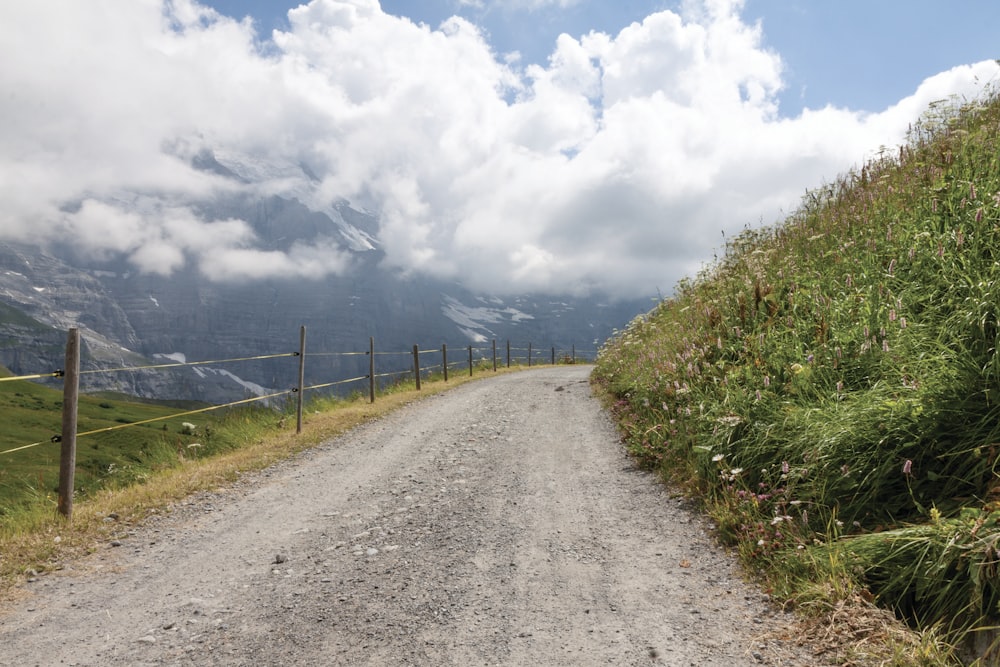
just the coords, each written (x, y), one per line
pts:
(494, 355)
(553, 356)
(444, 360)
(371, 368)
(71, 393)
(302, 378)
(508, 353)
(470, 361)
(529, 355)
(574, 353)
(416, 365)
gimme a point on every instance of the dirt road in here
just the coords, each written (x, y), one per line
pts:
(499, 523)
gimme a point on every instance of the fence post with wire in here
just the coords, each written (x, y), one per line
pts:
(71, 375)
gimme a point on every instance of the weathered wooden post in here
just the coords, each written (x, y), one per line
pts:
(302, 378)
(494, 355)
(444, 360)
(574, 353)
(416, 365)
(508, 353)
(553, 356)
(470, 361)
(371, 368)
(71, 394)
(529, 355)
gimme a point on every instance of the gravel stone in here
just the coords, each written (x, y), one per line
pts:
(500, 523)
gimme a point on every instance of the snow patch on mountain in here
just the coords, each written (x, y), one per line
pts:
(176, 357)
(292, 181)
(474, 321)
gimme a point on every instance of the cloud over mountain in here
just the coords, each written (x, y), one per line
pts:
(613, 166)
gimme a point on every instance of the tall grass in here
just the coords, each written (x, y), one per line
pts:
(835, 378)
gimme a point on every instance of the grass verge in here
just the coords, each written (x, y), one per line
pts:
(829, 389)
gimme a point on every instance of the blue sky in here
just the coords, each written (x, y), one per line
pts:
(607, 158)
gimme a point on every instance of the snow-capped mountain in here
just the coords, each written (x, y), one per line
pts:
(128, 316)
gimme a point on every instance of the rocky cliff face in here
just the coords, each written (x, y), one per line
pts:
(128, 318)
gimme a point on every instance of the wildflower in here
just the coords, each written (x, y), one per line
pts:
(718, 457)
(796, 368)
(785, 467)
(907, 467)
(767, 381)
(979, 214)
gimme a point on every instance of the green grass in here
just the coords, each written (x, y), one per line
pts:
(32, 413)
(834, 380)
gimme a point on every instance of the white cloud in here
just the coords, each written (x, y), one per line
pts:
(614, 166)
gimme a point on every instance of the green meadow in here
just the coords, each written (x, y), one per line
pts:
(123, 451)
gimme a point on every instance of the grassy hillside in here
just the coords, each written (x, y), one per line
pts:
(830, 386)
(32, 413)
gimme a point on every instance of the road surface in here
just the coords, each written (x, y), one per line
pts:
(499, 523)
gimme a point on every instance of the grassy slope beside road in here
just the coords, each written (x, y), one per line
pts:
(830, 387)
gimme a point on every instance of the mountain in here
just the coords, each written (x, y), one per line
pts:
(129, 318)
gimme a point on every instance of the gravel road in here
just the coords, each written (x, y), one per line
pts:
(500, 523)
